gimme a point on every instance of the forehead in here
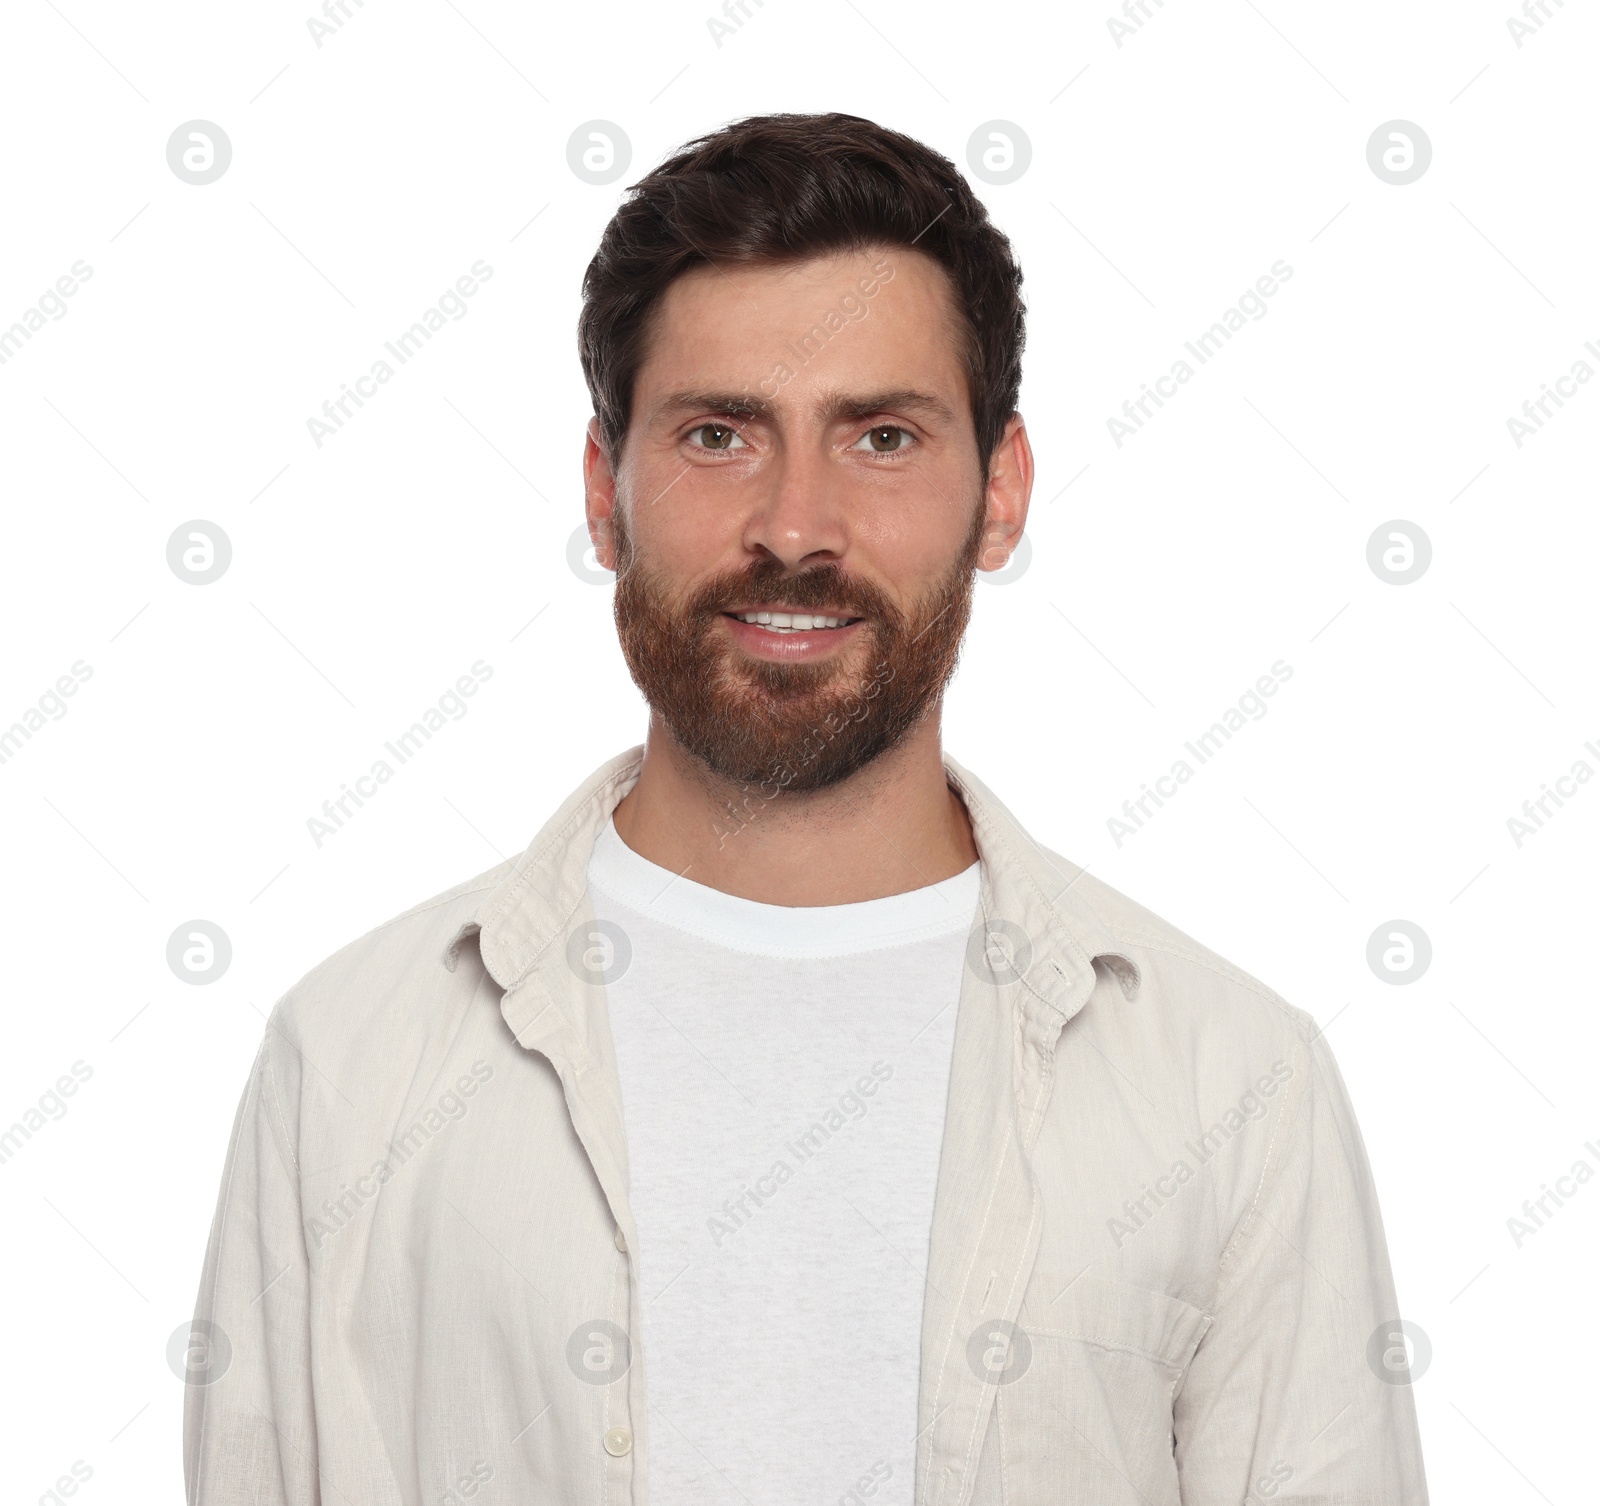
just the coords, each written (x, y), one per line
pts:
(875, 317)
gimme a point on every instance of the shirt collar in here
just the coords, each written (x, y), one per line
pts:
(1032, 901)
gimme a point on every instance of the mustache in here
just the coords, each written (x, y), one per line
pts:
(773, 583)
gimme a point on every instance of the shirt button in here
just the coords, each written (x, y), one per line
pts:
(618, 1240)
(618, 1441)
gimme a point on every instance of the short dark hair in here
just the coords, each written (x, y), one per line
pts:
(786, 188)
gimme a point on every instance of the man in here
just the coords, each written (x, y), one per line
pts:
(785, 1124)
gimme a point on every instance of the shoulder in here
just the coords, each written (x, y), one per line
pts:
(392, 981)
(1188, 988)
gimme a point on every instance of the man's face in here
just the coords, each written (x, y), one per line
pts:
(797, 512)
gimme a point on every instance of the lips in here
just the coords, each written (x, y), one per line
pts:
(781, 635)
(776, 621)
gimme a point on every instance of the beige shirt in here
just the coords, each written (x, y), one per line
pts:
(1156, 1270)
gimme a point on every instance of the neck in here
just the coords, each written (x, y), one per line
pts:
(891, 827)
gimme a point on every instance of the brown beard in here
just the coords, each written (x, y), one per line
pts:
(793, 726)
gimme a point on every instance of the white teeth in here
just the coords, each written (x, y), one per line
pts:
(791, 622)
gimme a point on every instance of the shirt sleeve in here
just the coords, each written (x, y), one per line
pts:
(1299, 1391)
(249, 1433)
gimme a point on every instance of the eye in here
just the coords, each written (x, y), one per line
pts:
(885, 439)
(716, 436)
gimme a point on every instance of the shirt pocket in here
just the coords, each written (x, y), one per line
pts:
(1089, 1420)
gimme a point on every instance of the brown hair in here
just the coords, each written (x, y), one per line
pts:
(786, 188)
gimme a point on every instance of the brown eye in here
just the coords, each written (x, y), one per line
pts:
(717, 437)
(886, 438)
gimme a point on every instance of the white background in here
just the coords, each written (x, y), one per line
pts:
(1167, 174)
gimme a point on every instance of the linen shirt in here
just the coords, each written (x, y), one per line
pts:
(1156, 1270)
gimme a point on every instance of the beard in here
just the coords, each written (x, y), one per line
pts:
(799, 727)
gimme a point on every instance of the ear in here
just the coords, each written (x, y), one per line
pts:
(1006, 498)
(599, 497)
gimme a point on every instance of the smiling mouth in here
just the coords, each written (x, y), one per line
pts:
(791, 622)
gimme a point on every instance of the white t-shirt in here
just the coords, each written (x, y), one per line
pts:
(784, 1074)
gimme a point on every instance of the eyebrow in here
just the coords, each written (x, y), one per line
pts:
(832, 406)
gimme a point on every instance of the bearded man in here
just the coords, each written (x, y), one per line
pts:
(785, 1124)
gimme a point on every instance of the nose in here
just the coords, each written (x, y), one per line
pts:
(801, 518)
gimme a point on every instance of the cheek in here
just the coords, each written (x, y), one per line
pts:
(676, 513)
(690, 534)
(910, 544)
